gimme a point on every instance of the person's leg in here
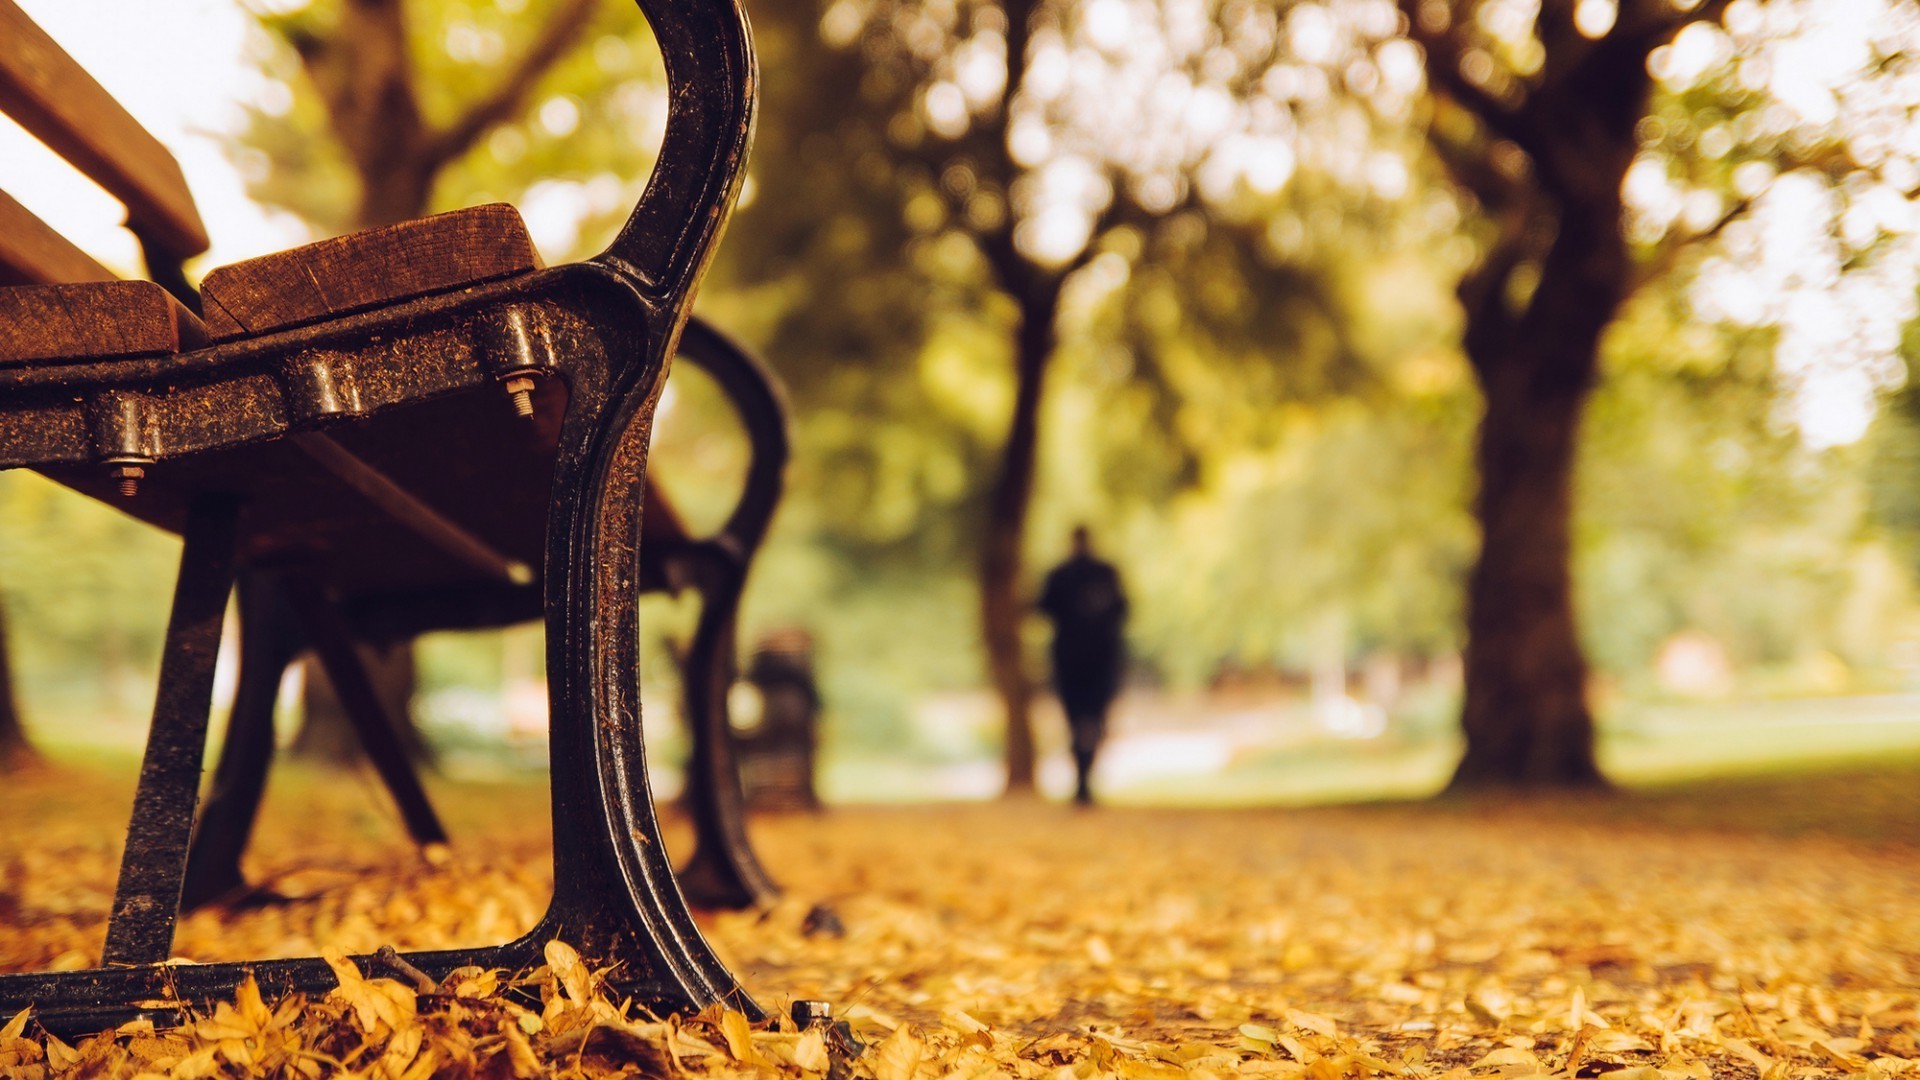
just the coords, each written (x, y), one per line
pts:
(1087, 729)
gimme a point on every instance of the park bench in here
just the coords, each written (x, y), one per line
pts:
(407, 429)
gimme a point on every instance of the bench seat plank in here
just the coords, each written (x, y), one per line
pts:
(367, 269)
(93, 320)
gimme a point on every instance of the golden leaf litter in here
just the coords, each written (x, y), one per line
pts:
(1028, 940)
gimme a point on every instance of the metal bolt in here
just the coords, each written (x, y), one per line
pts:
(520, 389)
(808, 1013)
(129, 477)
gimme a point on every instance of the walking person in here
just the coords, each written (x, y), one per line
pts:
(1085, 601)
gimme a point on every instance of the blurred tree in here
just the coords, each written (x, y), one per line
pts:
(1546, 117)
(1893, 473)
(1042, 135)
(15, 751)
(381, 70)
(1540, 128)
(359, 57)
(1691, 489)
(84, 589)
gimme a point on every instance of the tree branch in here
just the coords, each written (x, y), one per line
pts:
(1483, 289)
(1443, 74)
(562, 30)
(1474, 173)
(1669, 254)
(1654, 23)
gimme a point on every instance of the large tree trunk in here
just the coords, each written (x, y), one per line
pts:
(1525, 712)
(1002, 602)
(15, 750)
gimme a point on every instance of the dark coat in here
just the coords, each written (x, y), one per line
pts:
(1088, 606)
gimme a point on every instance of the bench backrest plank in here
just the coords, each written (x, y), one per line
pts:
(34, 253)
(48, 93)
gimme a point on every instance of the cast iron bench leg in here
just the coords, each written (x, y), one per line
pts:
(272, 609)
(723, 872)
(146, 903)
(268, 643)
(334, 644)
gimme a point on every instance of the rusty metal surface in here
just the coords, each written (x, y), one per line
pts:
(216, 423)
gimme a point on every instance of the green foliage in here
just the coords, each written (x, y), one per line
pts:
(86, 590)
(1699, 510)
(587, 138)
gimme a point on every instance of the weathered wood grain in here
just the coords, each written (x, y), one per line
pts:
(97, 319)
(367, 269)
(48, 93)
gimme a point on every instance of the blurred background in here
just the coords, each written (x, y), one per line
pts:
(1237, 284)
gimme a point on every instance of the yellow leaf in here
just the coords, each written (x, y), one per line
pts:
(961, 1022)
(1297, 1049)
(1744, 1049)
(1319, 1025)
(1260, 1033)
(810, 1053)
(16, 1025)
(251, 1008)
(1615, 1042)
(574, 978)
(1507, 1055)
(374, 1001)
(520, 1055)
(59, 1054)
(739, 1036)
(899, 1055)
(1846, 1061)
(402, 1049)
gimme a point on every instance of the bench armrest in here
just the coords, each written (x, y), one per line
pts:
(712, 86)
(755, 396)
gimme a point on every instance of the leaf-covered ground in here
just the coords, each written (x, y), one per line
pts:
(1572, 939)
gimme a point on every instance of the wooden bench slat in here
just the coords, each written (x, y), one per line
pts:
(366, 269)
(47, 92)
(94, 320)
(32, 252)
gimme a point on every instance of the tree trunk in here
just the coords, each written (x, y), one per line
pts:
(1002, 602)
(1525, 712)
(15, 750)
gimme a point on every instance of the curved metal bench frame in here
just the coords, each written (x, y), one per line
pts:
(608, 328)
(277, 623)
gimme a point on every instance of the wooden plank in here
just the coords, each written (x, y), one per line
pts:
(32, 253)
(51, 95)
(97, 320)
(367, 270)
